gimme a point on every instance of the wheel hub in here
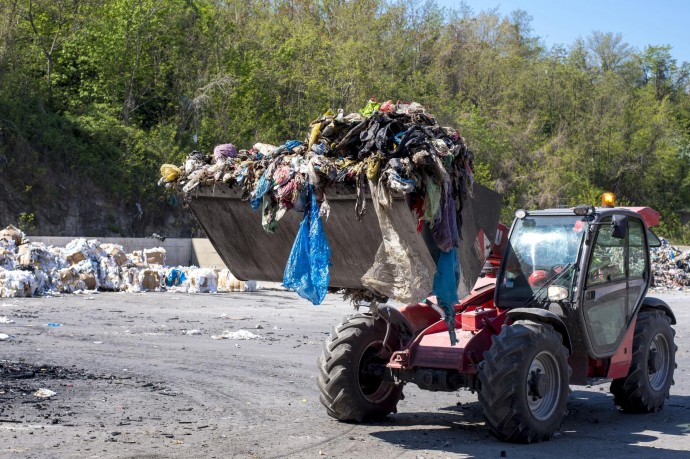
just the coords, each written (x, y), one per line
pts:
(537, 384)
(654, 360)
(543, 385)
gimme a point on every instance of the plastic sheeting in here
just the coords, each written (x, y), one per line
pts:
(306, 271)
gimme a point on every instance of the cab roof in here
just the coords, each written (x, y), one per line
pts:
(649, 215)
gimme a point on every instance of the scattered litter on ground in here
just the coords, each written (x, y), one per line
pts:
(193, 332)
(6, 320)
(238, 335)
(44, 393)
(53, 324)
(4, 337)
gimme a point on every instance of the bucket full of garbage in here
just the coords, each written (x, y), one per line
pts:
(381, 200)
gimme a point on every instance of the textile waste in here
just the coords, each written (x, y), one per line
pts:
(387, 151)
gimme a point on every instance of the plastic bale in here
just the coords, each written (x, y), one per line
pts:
(176, 277)
(109, 274)
(203, 280)
(6, 259)
(130, 279)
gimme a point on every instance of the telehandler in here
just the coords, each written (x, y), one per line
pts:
(563, 302)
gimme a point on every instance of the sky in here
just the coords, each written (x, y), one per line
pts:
(641, 23)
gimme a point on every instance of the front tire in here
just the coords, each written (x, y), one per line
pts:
(524, 382)
(650, 376)
(350, 391)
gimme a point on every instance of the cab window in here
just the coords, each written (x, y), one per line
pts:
(608, 259)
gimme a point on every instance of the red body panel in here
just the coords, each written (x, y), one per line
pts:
(621, 360)
(476, 321)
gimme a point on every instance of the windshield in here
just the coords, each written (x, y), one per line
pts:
(539, 249)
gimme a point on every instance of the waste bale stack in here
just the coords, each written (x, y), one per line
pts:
(33, 269)
(670, 267)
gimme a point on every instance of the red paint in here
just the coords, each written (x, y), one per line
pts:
(621, 360)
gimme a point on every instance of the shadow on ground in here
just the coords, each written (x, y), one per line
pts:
(594, 427)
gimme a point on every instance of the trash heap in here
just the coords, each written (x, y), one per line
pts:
(670, 267)
(384, 150)
(34, 269)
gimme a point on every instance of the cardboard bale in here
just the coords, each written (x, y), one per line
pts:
(116, 252)
(17, 283)
(68, 281)
(155, 256)
(136, 256)
(75, 257)
(89, 280)
(150, 279)
(80, 249)
(14, 234)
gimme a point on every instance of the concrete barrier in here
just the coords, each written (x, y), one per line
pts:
(179, 251)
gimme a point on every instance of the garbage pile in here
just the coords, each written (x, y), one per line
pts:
(385, 150)
(34, 269)
(670, 267)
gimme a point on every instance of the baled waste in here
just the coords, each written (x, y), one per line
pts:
(33, 269)
(670, 267)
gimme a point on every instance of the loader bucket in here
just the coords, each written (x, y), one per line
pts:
(250, 253)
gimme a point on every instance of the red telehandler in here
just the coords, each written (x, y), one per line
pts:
(565, 305)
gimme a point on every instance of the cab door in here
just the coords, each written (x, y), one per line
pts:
(605, 308)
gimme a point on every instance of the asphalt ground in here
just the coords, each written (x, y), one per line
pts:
(129, 381)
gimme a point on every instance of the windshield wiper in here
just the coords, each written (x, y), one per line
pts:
(549, 281)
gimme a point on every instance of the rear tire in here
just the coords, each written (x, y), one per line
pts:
(524, 382)
(348, 391)
(650, 376)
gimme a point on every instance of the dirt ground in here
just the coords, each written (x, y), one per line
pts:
(138, 375)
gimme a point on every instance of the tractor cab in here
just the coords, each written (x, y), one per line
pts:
(589, 266)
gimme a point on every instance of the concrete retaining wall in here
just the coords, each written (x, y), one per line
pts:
(179, 252)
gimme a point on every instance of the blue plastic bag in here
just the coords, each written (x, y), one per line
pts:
(446, 281)
(261, 189)
(175, 277)
(306, 271)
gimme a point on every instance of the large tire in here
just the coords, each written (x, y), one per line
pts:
(650, 376)
(348, 392)
(524, 382)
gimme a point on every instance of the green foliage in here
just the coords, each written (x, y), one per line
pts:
(110, 89)
(27, 222)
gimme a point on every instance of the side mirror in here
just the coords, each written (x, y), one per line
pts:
(619, 226)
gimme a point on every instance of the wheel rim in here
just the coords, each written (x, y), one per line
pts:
(373, 388)
(543, 386)
(659, 352)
